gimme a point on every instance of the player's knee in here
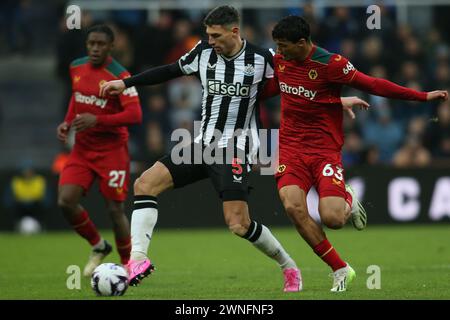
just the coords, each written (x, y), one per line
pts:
(238, 229)
(116, 215)
(296, 212)
(65, 203)
(145, 187)
(333, 219)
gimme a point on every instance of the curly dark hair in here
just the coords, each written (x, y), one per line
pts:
(102, 28)
(223, 15)
(291, 28)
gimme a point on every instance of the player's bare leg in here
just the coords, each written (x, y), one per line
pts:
(69, 196)
(69, 202)
(334, 212)
(237, 218)
(121, 228)
(294, 201)
(147, 187)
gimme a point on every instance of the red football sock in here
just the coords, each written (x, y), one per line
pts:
(86, 228)
(124, 249)
(329, 255)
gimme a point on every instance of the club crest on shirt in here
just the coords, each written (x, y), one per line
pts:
(249, 70)
(312, 74)
(336, 182)
(101, 82)
(76, 79)
(281, 67)
(338, 58)
(281, 168)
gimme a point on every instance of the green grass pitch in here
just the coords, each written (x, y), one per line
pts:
(214, 264)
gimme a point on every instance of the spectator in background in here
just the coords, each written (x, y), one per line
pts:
(372, 54)
(70, 46)
(352, 151)
(409, 72)
(249, 33)
(338, 26)
(309, 14)
(123, 48)
(437, 138)
(157, 110)
(442, 75)
(154, 142)
(27, 194)
(16, 18)
(348, 49)
(183, 40)
(412, 154)
(410, 77)
(185, 98)
(266, 40)
(384, 133)
(417, 127)
(412, 50)
(160, 33)
(403, 33)
(371, 155)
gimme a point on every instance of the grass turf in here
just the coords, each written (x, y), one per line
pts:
(213, 264)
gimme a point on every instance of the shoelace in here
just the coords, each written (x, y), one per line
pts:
(336, 277)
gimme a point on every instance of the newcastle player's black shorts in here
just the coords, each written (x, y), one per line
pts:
(229, 177)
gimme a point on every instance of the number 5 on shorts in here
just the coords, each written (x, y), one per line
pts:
(328, 171)
(117, 178)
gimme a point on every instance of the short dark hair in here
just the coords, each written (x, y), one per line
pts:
(102, 28)
(223, 15)
(291, 28)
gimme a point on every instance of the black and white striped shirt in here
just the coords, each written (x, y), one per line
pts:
(230, 91)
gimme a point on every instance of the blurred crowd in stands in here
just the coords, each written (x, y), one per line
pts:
(397, 133)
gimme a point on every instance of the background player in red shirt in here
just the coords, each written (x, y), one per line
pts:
(309, 80)
(100, 149)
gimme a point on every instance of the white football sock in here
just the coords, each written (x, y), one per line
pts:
(143, 220)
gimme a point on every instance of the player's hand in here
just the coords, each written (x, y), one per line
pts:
(112, 88)
(437, 95)
(62, 131)
(84, 121)
(349, 102)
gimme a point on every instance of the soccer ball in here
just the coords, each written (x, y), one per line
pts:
(109, 279)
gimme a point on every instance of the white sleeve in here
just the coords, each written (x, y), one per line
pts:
(189, 62)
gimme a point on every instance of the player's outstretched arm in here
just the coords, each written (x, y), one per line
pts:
(349, 102)
(388, 89)
(149, 77)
